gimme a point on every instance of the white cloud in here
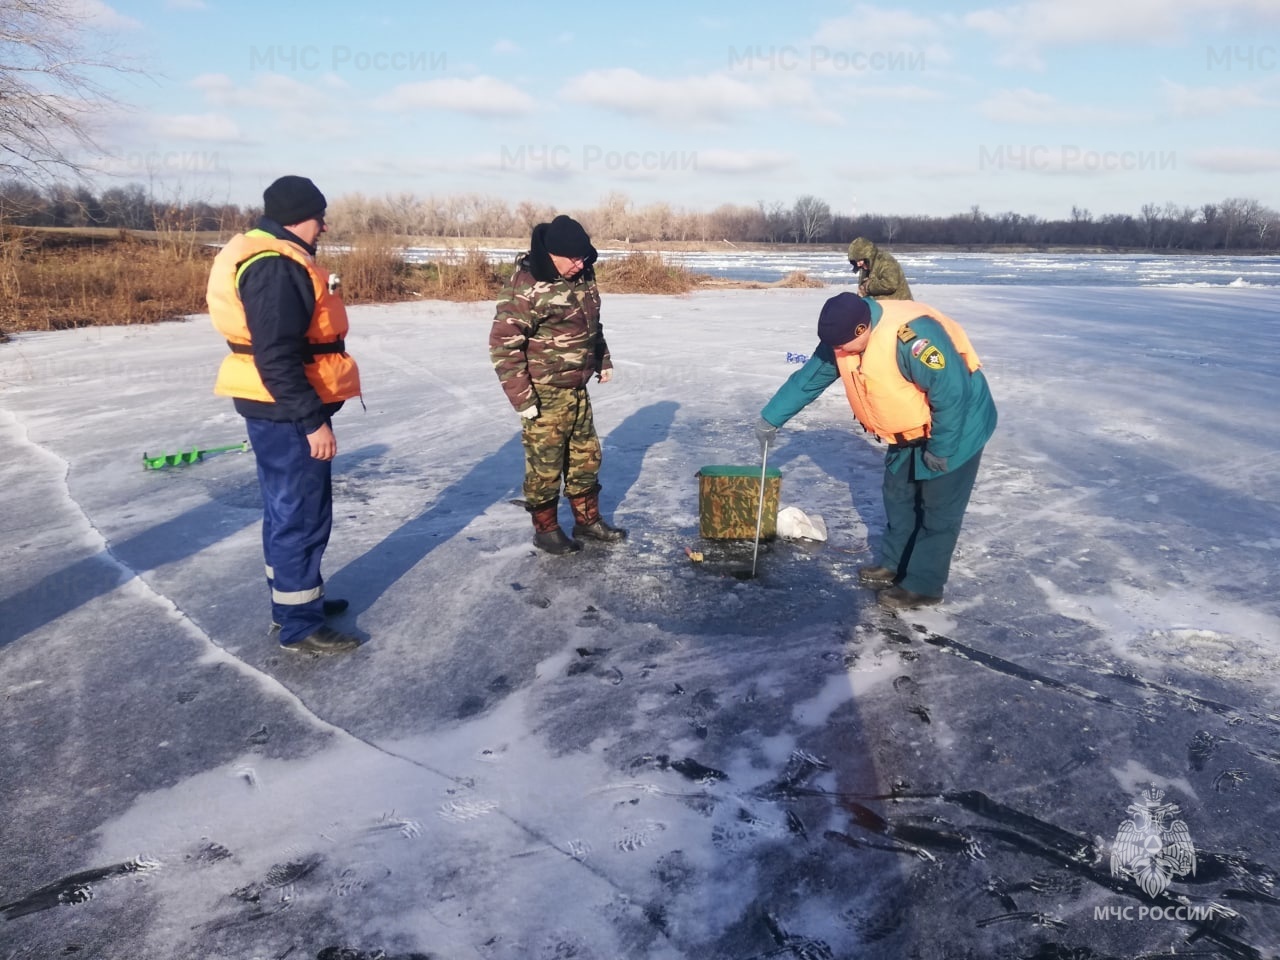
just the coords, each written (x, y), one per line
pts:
(710, 98)
(478, 96)
(868, 27)
(505, 46)
(1026, 29)
(906, 93)
(100, 15)
(879, 39)
(1211, 101)
(871, 169)
(713, 97)
(396, 166)
(213, 127)
(742, 161)
(1025, 106)
(269, 91)
(1237, 160)
(297, 109)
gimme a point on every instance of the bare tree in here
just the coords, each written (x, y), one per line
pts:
(127, 207)
(47, 92)
(1181, 221)
(613, 216)
(774, 218)
(1151, 221)
(656, 222)
(1238, 215)
(812, 218)
(404, 211)
(529, 214)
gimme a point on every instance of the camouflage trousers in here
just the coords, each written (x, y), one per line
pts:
(561, 442)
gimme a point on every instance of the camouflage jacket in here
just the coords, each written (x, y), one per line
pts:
(546, 333)
(884, 277)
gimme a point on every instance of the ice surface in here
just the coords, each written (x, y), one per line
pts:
(929, 268)
(622, 753)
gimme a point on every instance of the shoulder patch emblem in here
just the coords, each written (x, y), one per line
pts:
(918, 347)
(905, 333)
(933, 359)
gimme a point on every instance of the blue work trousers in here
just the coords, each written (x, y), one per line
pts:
(924, 519)
(297, 516)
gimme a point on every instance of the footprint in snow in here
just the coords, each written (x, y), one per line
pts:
(358, 877)
(462, 811)
(638, 835)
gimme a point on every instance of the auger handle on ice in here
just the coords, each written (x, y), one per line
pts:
(764, 466)
(194, 455)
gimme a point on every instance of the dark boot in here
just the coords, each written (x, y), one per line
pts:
(547, 534)
(587, 521)
(325, 640)
(899, 598)
(877, 576)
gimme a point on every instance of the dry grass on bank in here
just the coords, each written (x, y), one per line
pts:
(55, 280)
(60, 281)
(373, 270)
(644, 273)
(794, 279)
(798, 278)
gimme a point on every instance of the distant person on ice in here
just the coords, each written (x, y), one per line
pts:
(288, 373)
(546, 342)
(879, 274)
(913, 380)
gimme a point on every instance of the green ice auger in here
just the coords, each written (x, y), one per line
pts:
(194, 455)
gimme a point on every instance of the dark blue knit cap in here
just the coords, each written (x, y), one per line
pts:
(841, 317)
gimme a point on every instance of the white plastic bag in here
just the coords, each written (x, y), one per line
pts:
(795, 524)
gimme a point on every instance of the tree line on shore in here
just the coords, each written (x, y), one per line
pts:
(1238, 224)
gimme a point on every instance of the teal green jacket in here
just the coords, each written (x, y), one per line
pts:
(961, 408)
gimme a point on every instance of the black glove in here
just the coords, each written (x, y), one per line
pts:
(766, 433)
(936, 464)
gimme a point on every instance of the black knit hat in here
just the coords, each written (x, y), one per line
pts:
(565, 237)
(843, 318)
(292, 200)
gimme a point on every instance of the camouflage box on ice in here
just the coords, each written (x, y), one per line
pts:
(728, 501)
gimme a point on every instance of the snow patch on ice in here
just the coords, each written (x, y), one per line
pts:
(1133, 778)
(837, 691)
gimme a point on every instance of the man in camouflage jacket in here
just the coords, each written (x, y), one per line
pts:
(879, 274)
(545, 344)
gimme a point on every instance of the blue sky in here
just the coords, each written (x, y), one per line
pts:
(912, 108)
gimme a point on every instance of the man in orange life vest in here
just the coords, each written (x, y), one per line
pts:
(913, 380)
(288, 373)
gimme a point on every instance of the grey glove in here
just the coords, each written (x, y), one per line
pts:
(530, 413)
(766, 433)
(936, 464)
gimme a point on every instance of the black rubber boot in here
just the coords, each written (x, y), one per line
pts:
(587, 521)
(547, 534)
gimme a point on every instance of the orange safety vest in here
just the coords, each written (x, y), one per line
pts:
(334, 375)
(884, 401)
